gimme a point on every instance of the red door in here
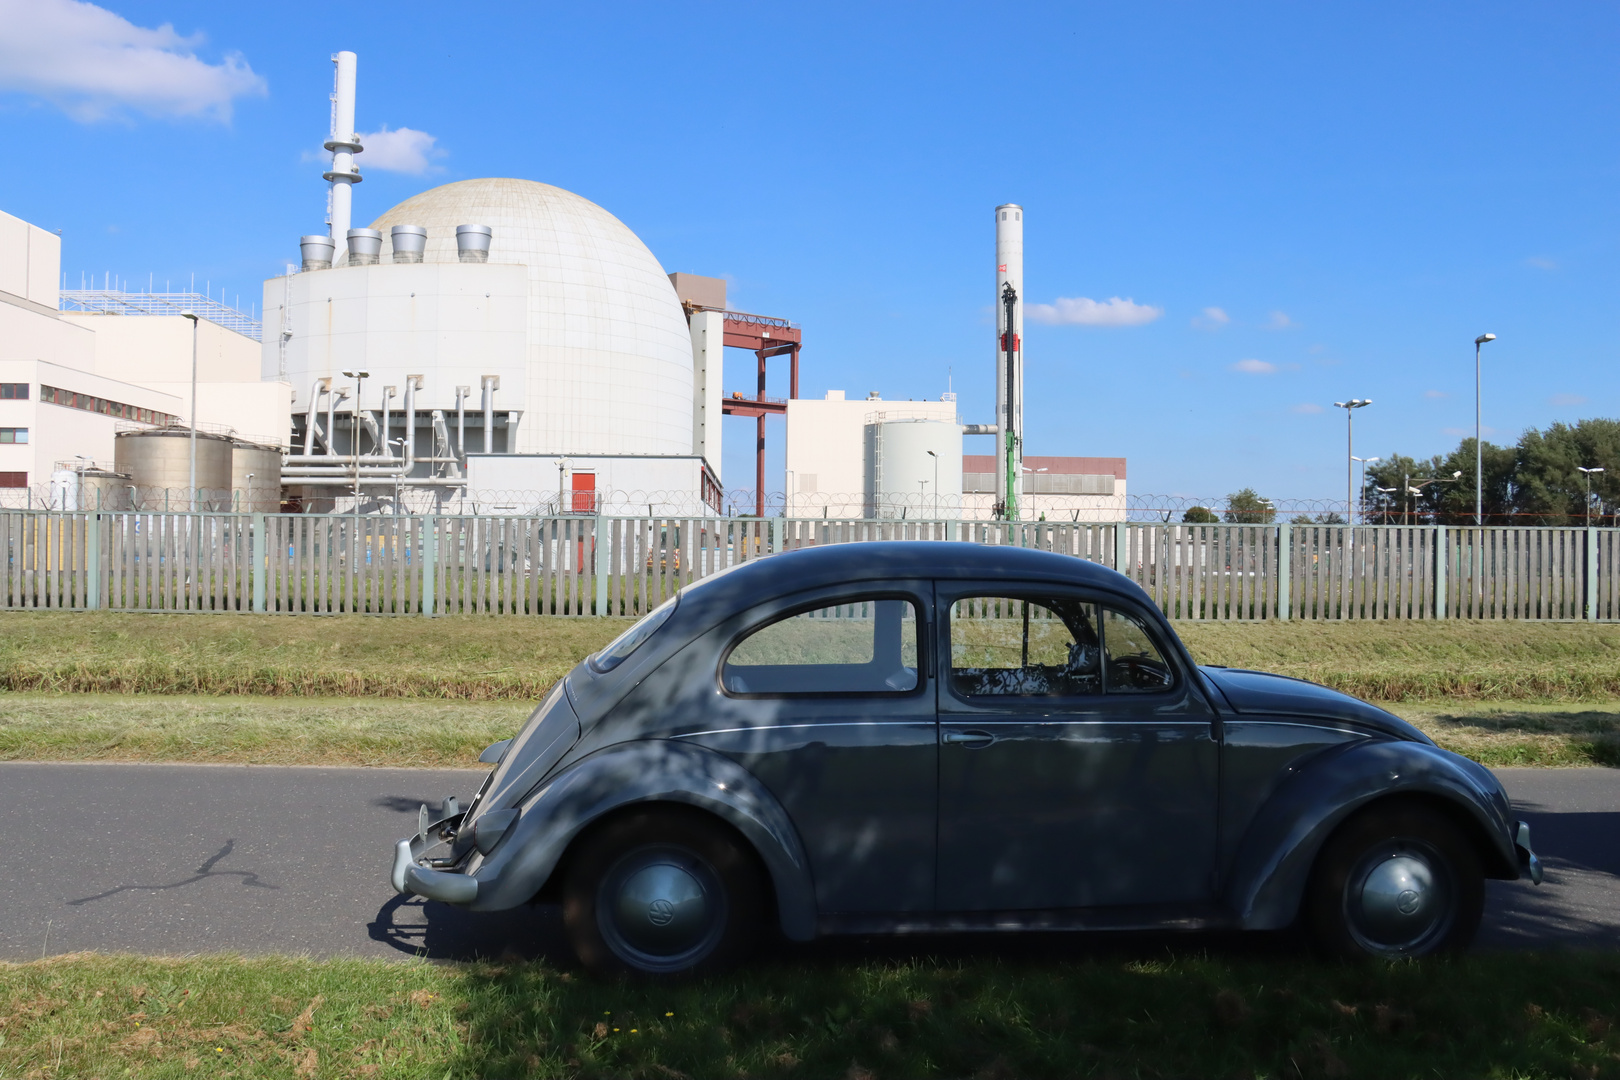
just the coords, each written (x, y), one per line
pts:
(584, 493)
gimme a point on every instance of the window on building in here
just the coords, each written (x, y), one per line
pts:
(55, 395)
(13, 434)
(13, 479)
(14, 391)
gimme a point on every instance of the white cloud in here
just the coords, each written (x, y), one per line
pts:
(1563, 400)
(1541, 263)
(1278, 321)
(96, 65)
(1211, 318)
(1307, 409)
(1254, 367)
(1080, 311)
(403, 150)
(1435, 394)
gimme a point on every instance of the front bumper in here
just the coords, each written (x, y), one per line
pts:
(410, 874)
(1529, 865)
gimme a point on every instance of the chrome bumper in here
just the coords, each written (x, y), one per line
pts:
(1529, 865)
(409, 877)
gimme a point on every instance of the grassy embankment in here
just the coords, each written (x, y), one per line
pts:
(1556, 1015)
(418, 692)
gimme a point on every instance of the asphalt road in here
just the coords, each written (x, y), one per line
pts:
(174, 859)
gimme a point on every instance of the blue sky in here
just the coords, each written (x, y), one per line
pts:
(1320, 201)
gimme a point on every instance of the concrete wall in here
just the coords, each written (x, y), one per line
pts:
(828, 456)
(30, 262)
(157, 349)
(29, 332)
(708, 370)
(259, 412)
(58, 432)
(625, 484)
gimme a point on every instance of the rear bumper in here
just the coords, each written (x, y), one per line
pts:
(1529, 864)
(411, 876)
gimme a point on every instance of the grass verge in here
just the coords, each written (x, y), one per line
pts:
(495, 657)
(253, 731)
(1486, 1016)
(450, 734)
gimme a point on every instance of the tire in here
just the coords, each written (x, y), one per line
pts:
(1396, 881)
(662, 893)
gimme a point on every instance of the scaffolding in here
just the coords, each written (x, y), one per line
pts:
(118, 302)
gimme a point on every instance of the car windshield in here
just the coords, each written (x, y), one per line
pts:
(620, 648)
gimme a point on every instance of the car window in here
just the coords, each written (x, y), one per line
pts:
(1135, 665)
(859, 646)
(1004, 646)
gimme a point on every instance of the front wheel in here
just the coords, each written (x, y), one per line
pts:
(1398, 881)
(662, 893)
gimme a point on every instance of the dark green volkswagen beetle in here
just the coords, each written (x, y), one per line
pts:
(886, 737)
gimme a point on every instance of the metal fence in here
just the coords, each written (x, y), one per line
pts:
(587, 565)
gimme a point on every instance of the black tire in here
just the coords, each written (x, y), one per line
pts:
(662, 892)
(1395, 881)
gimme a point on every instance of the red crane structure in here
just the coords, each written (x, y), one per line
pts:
(765, 337)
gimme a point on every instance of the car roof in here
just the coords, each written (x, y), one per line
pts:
(886, 560)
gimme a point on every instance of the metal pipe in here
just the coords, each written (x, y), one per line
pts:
(344, 144)
(388, 392)
(461, 422)
(322, 386)
(488, 384)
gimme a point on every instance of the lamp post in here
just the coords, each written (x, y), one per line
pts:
(1385, 491)
(1365, 461)
(1479, 453)
(191, 499)
(1588, 474)
(1422, 482)
(935, 456)
(359, 376)
(1350, 408)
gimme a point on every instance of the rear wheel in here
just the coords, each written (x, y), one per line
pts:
(662, 892)
(1396, 881)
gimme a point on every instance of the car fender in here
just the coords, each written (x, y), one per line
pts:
(652, 770)
(1274, 860)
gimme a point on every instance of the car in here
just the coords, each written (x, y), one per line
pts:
(891, 737)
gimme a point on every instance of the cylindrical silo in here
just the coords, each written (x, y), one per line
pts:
(255, 478)
(89, 489)
(917, 468)
(158, 463)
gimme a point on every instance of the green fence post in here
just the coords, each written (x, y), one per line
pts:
(430, 562)
(1591, 574)
(599, 536)
(258, 560)
(1442, 561)
(92, 561)
(1285, 562)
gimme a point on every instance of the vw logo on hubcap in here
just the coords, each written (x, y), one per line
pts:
(1408, 901)
(660, 912)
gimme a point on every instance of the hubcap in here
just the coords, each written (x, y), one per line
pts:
(661, 908)
(1399, 898)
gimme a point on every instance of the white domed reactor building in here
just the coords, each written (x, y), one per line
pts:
(497, 340)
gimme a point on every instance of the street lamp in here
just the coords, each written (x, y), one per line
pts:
(1479, 453)
(1588, 473)
(1350, 408)
(1365, 461)
(359, 376)
(935, 456)
(1386, 491)
(1422, 482)
(192, 315)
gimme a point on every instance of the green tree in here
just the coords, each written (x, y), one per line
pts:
(1199, 515)
(1247, 507)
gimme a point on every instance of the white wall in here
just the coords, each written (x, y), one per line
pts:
(626, 484)
(27, 333)
(448, 322)
(708, 370)
(157, 348)
(260, 412)
(827, 449)
(30, 262)
(58, 432)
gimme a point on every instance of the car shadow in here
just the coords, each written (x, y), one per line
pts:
(1575, 906)
(435, 931)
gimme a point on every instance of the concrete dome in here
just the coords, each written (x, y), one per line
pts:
(609, 354)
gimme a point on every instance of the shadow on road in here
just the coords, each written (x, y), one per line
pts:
(1576, 905)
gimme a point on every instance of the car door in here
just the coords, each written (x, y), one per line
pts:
(1078, 764)
(828, 702)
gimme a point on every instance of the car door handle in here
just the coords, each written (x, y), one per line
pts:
(972, 739)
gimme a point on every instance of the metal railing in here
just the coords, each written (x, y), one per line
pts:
(423, 564)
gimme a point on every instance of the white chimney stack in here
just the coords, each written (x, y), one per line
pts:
(344, 144)
(1010, 349)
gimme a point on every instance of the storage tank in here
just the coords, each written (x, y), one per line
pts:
(916, 469)
(158, 463)
(89, 488)
(255, 478)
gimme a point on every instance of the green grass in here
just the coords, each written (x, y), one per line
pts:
(253, 730)
(1552, 735)
(1552, 1015)
(470, 658)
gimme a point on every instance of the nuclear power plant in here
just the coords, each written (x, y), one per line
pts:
(491, 345)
